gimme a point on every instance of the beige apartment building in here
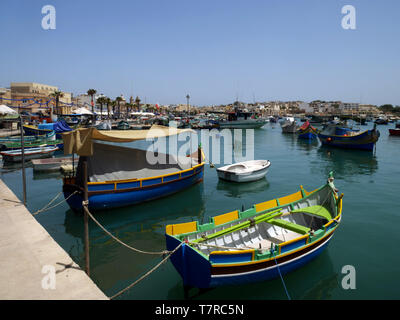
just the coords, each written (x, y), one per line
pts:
(38, 91)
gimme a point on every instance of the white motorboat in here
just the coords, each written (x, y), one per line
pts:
(244, 171)
(31, 153)
(289, 125)
(51, 164)
(242, 120)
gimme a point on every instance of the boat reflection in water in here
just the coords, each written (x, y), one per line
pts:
(307, 144)
(345, 163)
(239, 190)
(149, 217)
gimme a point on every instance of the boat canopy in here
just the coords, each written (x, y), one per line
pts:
(80, 141)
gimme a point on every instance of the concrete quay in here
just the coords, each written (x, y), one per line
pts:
(32, 265)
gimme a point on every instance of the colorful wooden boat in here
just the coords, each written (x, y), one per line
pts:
(307, 131)
(341, 137)
(31, 130)
(32, 153)
(257, 244)
(120, 176)
(394, 132)
(31, 144)
(242, 120)
(59, 127)
(51, 135)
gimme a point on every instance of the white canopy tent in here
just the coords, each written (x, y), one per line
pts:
(82, 111)
(149, 114)
(4, 110)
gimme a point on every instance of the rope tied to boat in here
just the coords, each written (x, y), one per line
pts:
(280, 274)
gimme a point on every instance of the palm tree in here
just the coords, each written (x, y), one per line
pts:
(101, 101)
(128, 107)
(92, 92)
(57, 95)
(108, 103)
(118, 101)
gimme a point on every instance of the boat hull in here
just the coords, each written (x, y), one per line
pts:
(210, 275)
(33, 131)
(48, 165)
(114, 195)
(307, 136)
(245, 124)
(253, 176)
(363, 141)
(394, 132)
(289, 128)
(27, 156)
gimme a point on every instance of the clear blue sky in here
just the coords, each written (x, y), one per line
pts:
(213, 50)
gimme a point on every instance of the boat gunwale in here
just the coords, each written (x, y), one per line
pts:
(369, 131)
(6, 153)
(148, 178)
(100, 192)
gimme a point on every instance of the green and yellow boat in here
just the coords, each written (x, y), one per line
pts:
(257, 244)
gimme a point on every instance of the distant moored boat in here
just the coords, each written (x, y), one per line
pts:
(32, 153)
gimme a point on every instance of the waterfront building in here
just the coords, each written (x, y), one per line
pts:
(22, 92)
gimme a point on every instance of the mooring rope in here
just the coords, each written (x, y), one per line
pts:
(147, 273)
(46, 207)
(280, 275)
(123, 243)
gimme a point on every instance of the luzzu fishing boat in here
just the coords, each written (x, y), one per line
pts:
(307, 131)
(32, 144)
(257, 244)
(347, 138)
(32, 130)
(395, 131)
(120, 176)
(45, 128)
(51, 135)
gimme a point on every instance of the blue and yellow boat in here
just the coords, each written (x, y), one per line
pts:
(32, 130)
(307, 131)
(342, 137)
(257, 244)
(120, 176)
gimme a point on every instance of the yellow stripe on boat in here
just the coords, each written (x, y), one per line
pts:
(226, 217)
(174, 229)
(290, 198)
(142, 179)
(308, 193)
(306, 236)
(234, 252)
(266, 205)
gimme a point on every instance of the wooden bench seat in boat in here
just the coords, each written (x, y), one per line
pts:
(289, 225)
(316, 210)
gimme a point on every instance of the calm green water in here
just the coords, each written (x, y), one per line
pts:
(368, 237)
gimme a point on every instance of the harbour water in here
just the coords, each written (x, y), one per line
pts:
(366, 239)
